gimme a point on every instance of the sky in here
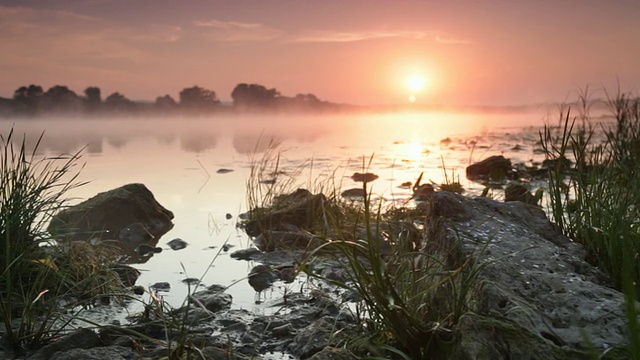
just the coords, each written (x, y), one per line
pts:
(373, 52)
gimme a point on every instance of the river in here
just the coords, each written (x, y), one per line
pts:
(178, 160)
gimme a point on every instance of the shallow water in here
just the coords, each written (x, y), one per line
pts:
(178, 159)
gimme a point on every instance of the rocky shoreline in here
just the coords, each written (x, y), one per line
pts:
(536, 297)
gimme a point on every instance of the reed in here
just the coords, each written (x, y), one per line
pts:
(37, 276)
(596, 202)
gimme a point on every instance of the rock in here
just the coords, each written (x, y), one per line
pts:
(129, 214)
(533, 277)
(224, 171)
(138, 290)
(354, 193)
(217, 353)
(161, 286)
(286, 273)
(228, 216)
(191, 281)
(285, 240)
(486, 338)
(366, 177)
(519, 192)
(300, 209)
(314, 338)
(79, 339)
(423, 192)
(213, 299)
(246, 254)
(226, 247)
(261, 277)
(333, 353)
(493, 168)
(562, 164)
(177, 244)
(114, 352)
(145, 249)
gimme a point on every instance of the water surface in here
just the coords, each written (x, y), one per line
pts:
(178, 160)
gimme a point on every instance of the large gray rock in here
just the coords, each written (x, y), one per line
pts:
(534, 278)
(129, 214)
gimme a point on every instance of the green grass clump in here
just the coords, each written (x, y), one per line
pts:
(410, 299)
(35, 276)
(597, 202)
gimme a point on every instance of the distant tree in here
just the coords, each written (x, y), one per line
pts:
(198, 98)
(165, 102)
(93, 99)
(308, 99)
(60, 98)
(118, 102)
(247, 96)
(28, 98)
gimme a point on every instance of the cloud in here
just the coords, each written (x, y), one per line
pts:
(218, 30)
(351, 36)
(227, 25)
(62, 39)
(451, 40)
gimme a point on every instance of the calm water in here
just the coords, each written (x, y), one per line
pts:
(177, 160)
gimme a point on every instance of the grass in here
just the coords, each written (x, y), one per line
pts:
(596, 202)
(36, 277)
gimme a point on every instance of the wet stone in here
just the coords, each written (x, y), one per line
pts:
(246, 254)
(191, 281)
(145, 249)
(177, 244)
(213, 299)
(161, 286)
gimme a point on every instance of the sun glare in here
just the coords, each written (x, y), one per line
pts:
(415, 83)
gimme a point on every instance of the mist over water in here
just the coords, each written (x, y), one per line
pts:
(178, 159)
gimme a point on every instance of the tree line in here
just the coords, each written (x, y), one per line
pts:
(32, 100)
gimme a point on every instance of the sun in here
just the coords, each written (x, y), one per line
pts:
(415, 83)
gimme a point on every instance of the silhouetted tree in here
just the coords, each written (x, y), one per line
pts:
(118, 102)
(27, 99)
(198, 98)
(93, 99)
(60, 98)
(309, 99)
(247, 96)
(165, 102)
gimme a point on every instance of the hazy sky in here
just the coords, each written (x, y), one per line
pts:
(468, 52)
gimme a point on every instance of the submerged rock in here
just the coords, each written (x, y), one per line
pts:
(177, 244)
(354, 193)
(261, 277)
(366, 177)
